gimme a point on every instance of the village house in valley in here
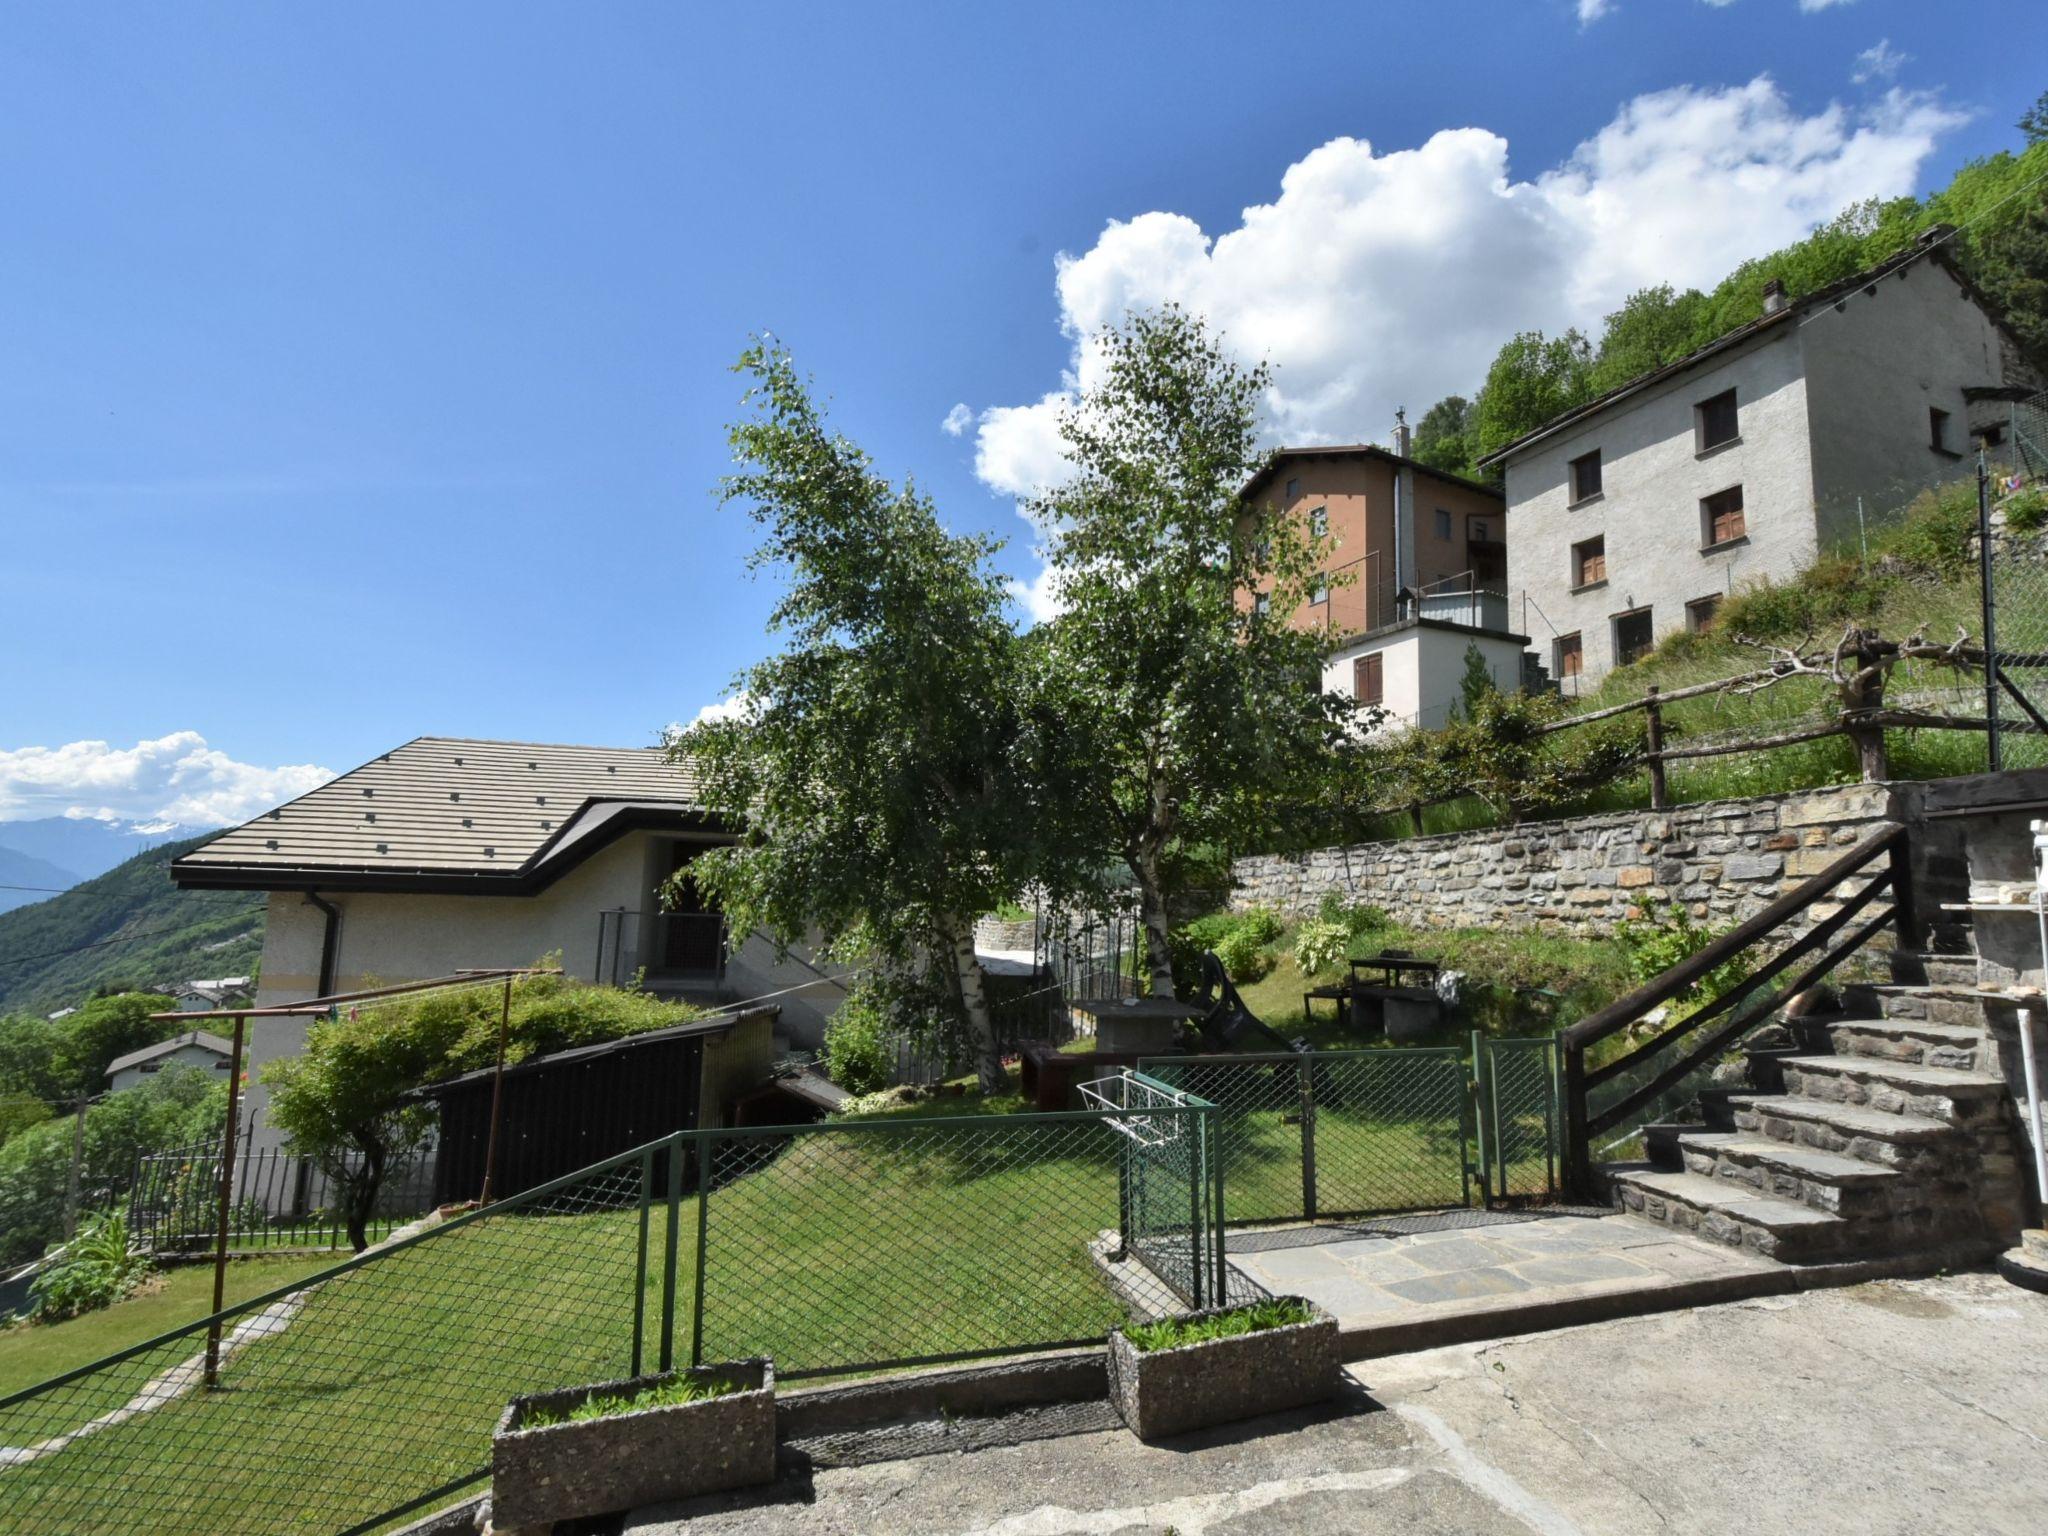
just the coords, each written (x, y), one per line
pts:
(445, 854)
(1417, 574)
(1637, 512)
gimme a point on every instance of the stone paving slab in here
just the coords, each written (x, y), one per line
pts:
(1378, 1278)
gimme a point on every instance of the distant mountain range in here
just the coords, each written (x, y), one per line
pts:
(128, 926)
(86, 844)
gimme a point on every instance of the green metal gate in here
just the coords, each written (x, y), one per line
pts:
(1171, 1189)
(1305, 1135)
(1520, 1118)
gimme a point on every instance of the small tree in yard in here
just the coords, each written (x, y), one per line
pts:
(1196, 705)
(341, 1102)
(885, 770)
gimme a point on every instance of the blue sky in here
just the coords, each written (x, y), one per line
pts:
(364, 370)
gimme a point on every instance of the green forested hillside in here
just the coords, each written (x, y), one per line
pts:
(142, 932)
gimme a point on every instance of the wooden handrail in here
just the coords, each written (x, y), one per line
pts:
(1620, 1014)
(1811, 940)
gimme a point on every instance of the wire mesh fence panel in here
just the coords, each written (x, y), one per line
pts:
(344, 1400)
(860, 1244)
(2019, 585)
(1519, 1120)
(1333, 1133)
(1170, 1220)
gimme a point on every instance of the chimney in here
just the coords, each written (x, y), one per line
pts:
(1401, 432)
(1774, 297)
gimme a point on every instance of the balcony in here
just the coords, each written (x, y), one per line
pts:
(1460, 601)
(674, 952)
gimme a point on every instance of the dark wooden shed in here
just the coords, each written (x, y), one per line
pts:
(567, 1110)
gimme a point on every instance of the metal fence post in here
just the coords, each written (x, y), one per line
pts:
(1214, 1116)
(704, 1145)
(1480, 1075)
(668, 1258)
(1197, 1191)
(1995, 752)
(1306, 1090)
(640, 1263)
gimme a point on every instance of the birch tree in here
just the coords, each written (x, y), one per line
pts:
(1200, 705)
(881, 767)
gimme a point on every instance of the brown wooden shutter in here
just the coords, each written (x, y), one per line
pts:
(1367, 673)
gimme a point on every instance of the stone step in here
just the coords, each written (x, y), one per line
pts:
(1735, 1214)
(1926, 1042)
(1910, 1143)
(1934, 967)
(1827, 1181)
(1897, 1087)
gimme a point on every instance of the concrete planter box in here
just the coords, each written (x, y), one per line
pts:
(1165, 1392)
(641, 1456)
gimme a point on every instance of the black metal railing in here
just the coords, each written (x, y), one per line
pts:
(1641, 1077)
(280, 1200)
(679, 948)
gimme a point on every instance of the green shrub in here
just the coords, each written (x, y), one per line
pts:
(2027, 511)
(856, 1044)
(96, 1271)
(1825, 596)
(1243, 954)
(1262, 923)
(1658, 941)
(1933, 537)
(1320, 946)
(1358, 919)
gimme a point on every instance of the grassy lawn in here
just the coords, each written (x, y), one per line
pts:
(33, 1352)
(835, 1249)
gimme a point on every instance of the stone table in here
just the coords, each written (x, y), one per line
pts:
(1144, 1026)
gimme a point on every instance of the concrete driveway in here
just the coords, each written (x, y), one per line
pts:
(1896, 1407)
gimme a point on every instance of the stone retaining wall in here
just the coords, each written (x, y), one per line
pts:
(1725, 860)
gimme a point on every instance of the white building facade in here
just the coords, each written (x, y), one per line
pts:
(1788, 438)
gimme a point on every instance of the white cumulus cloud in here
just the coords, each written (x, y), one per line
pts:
(738, 707)
(1591, 11)
(958, 420)
(1376, 279)
(1822, 5)
(174, 780)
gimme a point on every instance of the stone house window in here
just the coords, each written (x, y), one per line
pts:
(1443, 524)
(1699, 613)
(1721, 519)
(1571, 655)
(1585, 477)
(1589, 562)
(1714, 421)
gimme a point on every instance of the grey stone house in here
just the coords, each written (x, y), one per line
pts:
(1636, 513)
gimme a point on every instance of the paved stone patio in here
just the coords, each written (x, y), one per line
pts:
(1411, 1268)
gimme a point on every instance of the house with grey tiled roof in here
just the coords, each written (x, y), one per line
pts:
(447, 854)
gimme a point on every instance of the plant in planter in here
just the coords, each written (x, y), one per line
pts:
(591, 1450)
(1221, 1365)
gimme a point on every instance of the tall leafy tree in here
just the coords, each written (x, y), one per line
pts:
(1533, 378)
(1196, 701)
(1443, 438)
(1654, 326)
(884, 769)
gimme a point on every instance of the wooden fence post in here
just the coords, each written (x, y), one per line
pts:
(1654, 731)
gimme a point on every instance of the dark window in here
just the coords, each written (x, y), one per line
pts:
(1589, 562)
(1263, 603)
(1721, 516)
(1586, 476)
(1937, 430)
(1717, 423)
(1699, 613)
(1479, 530)
(1632, 636)
(1571, 656)
(1319, 521)
(1368, 679)
(1293, 489)
(1443, 523)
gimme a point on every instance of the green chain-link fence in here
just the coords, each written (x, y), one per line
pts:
(1333, 1133)
(1519, 1118)
(845, 1246)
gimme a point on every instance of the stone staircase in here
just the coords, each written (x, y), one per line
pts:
(1884, 1131)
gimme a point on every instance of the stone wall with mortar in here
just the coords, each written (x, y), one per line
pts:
(1724, 860)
